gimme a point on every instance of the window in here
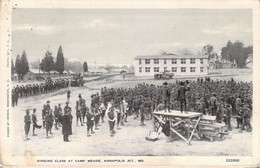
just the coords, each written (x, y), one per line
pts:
(165, 61)
(140, 61)
(201, 69)
(165, 69)
(183, 69)
(147, 69)
(140, 69)
(192, 61)
(174, 69)
(156, 69)
(192, 69)
(174, 61)
(156, 61)
(183, 61)
(147, 61)
(201, 61)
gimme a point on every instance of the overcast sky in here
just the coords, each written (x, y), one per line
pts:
(117, 36)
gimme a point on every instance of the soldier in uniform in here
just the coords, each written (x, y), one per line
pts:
(213, 105)
(78, 113)
(56, 117)
(181, 94)
(35, 125)
(142, 114)
(239, 117)
(227, 117)
(66, 126)
(83, 109)
(68, 95)
(166, 95)
(49, 122)
(110, 113)
(90, 123)
(102, 108)
(96, 112)
(43, 115)
(246, 119)
(27, 123)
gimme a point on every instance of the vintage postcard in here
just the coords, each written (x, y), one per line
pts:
(130, 83)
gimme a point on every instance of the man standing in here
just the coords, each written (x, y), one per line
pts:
(66, 126)
(111, 118)
(246, 117)
(166, 95)
(90, 123)
(213, 105)
(49, 122)
(27, 123)
(35, 125)
(181, 94)
(78, 113)
(68, 95)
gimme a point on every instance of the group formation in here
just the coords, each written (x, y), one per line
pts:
(34, 89)
(220, 98)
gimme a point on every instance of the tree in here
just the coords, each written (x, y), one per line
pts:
(21, 65)
(186, 51)
(208, 49)
(59, 64)
(85, 66)
(12, 67)
(236, 52)
(47, 63)
(24, 64)
(17, 66)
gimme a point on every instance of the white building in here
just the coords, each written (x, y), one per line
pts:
(189, 65)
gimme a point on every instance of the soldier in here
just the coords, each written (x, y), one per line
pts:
(67, 108)
(136, 106)
(166, 95)
(96, 113)
(43, 115)
(66, 126)
(68, 95)
(227, 117)
(49, 122)
(78, 113)
(213, 105)
(142, 114)
(27, 123)
(90, 122)
(110, 114)
(83, 110)
(124, 108)
(56, 116)
(239, 117)
(102, 108)
(246, 117)
(35, 125)
(118, 115)
(182, 96)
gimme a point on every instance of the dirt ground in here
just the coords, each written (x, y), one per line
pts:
(128, 141)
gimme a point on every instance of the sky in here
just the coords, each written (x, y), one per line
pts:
(117, 36)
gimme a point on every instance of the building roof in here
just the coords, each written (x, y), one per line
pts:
(169, 56)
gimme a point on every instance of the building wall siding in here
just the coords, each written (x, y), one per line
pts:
(169, 66)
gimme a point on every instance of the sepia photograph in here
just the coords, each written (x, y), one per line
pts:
(139, 82)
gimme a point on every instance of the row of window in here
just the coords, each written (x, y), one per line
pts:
(174, 61)
(174, 69)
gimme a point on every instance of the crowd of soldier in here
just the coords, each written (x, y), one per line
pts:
(34, 89)
(233, 99)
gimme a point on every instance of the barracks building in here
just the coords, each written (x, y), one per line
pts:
(180, 65)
